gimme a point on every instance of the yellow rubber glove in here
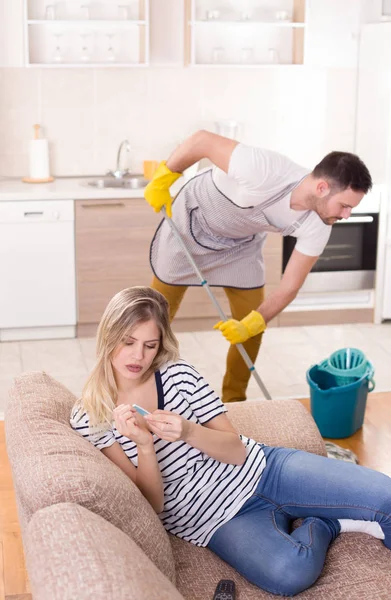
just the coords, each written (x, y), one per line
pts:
(157, 191)
(238, 332)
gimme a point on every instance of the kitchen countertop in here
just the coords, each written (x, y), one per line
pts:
(62, 188)
(77, 188)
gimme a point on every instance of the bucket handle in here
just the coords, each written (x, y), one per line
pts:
(371, 384)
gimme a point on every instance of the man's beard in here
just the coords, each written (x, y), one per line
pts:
(318, 208)
(329, 220)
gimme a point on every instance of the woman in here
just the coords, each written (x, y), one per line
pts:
(211, 486)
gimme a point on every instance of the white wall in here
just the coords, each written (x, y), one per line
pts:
(302, 111)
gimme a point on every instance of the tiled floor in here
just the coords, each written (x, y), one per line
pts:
(285, 356)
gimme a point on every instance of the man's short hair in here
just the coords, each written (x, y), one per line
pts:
(344, 170)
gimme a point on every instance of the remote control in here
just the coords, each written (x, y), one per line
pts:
(225, 590)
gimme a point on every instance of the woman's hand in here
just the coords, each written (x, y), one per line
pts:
(168, 425)
(132, 425)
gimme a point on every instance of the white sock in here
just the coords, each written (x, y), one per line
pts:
(370, 527)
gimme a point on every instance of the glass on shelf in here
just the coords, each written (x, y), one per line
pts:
(85, 11)
(124, 12)
(85, 54)
(110, 54)
(58, 53)
(247, 56)
(274, 57)
(212, 15)
(282, 16)
(50, 12)
(218, 55)
(246, 15)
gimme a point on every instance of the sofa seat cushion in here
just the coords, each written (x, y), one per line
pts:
(277, 423)
(51, 463)
(357, 567)
(84, 557)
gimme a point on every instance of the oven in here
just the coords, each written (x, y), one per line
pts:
(348, 261)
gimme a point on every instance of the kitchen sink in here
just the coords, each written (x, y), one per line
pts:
(132, 182)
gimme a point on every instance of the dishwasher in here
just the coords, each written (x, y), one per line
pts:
(37, 269)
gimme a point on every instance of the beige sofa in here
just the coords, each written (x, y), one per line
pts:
(88, 532)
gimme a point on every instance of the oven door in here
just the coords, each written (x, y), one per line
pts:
(348, 261)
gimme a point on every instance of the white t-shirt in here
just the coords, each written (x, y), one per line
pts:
(256, 175)
(200, 493)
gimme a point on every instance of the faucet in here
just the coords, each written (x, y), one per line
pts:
(119, 173)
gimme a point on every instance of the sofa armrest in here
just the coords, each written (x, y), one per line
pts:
(73, 553)
(277, 423)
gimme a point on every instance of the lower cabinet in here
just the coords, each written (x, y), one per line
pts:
(112, 252)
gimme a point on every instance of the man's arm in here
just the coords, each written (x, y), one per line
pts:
(202, 144)
(297, 269)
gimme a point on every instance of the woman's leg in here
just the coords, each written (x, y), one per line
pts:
(237, 373)
(172, 293)
(259, 543)
(307, 485)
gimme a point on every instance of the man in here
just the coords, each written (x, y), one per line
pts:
(224, 214)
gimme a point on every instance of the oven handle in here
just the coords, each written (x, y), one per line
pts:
(353, 220)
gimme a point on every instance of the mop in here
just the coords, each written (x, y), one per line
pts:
(220, 311)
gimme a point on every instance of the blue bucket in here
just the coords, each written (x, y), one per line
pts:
(338, 410)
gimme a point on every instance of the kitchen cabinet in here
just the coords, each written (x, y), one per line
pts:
(332, 33)
(37, 270)
(375, 11)
(69, 33)
(259, 33)
(112, 253)
(266, 33)
(11, 33)
(373, 116)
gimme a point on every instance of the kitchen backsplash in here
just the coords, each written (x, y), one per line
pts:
(85, 113)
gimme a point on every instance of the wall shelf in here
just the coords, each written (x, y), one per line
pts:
(262, 33)
(86, 23)
(73, 34)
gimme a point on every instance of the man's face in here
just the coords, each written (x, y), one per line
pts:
(332, 207)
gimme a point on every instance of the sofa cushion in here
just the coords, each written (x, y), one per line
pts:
(277, 423)
(51, 463)
(85, 557)
(357, 567)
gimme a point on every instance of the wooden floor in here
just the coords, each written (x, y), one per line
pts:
(372, 444)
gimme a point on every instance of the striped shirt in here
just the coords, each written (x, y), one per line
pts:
(200, 492)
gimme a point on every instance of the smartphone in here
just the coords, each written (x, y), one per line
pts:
(141, 410)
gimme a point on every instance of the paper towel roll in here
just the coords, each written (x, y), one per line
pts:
(39, 159)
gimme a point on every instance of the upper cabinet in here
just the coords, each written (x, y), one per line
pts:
(84, 33)
(219, 33)
(251, 33)
(376, 10)
(332, 33)
(11, 33)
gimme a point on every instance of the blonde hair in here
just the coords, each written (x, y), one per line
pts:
(125, 311)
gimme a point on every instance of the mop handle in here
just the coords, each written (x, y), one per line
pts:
(222, 315)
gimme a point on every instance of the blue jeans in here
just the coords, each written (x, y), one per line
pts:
(259, 542)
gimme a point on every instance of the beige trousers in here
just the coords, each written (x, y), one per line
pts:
(241, 303)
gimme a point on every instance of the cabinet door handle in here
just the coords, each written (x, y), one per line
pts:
(104, 205)
(33, 213)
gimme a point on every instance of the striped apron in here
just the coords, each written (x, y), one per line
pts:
(224, 239)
